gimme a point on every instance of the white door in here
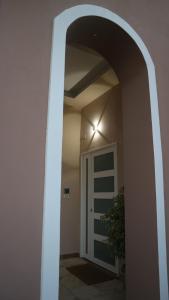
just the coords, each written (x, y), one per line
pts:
(99, 186)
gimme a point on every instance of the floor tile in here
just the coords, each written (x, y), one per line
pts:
(63, 272)
(86, 292)
(71, 282)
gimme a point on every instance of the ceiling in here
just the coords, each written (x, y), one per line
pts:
(87, 76)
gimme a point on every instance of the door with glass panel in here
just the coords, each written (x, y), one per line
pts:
(99, 186)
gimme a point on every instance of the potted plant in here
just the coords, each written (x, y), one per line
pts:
(115, 222)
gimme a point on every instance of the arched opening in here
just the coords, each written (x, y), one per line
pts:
(92, 171)
(141, 141)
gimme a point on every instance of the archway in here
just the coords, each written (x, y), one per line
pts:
(51, 218)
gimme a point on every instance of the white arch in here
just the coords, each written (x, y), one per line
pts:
(51, 214)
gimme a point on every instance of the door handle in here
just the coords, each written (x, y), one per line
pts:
(91, 209)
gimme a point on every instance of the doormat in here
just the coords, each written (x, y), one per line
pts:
(91, 274)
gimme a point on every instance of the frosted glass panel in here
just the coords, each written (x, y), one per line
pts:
(104, 162)
(104, 184)
(104, 252)
(102, 205)
(101, 227)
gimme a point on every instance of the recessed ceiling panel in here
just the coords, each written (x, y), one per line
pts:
(78, 64)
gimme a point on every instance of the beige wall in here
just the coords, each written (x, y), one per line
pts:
(70, 207)
(25, 48)
(106, 109)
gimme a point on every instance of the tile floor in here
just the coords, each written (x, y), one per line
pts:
(71, 288)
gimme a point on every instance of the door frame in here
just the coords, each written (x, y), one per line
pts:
(88, 154)
(53, 156)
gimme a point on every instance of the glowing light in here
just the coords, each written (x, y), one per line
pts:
(96, 129)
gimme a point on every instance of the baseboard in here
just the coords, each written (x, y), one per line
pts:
(70, 255)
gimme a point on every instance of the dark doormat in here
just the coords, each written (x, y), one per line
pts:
(91, 274)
